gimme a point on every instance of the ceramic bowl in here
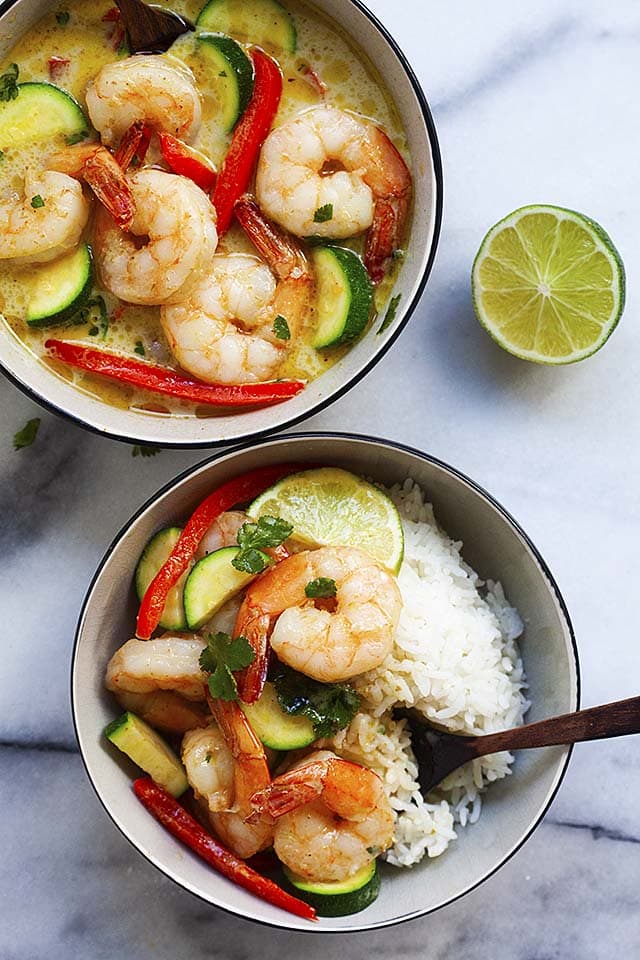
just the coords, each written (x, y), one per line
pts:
(494, 545)
(52, 391)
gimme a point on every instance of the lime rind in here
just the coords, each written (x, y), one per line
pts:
(582, 317)
(329, 506)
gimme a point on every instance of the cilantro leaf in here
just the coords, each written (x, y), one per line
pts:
(220, 658)
(140, 450)
(26, 436)
(9, 83)
(1, 154)
(281, 328)
(37, 202)
(62, 17)
(329, 706)
(323, 214)
(391, 313)
(323, 588)
(254, 537)
(139, 348)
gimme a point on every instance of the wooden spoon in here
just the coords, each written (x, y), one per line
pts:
(438, 754)
(151, 29)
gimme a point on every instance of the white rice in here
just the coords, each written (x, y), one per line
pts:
(455, 659)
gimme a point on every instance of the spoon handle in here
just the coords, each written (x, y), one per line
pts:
(597, 723)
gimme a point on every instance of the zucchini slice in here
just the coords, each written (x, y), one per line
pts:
(265, 22)
(60, 288)
(149, 751)
(275, 728)
(344, 296)
(231, 75)
(341, 898)
(211, 583)
(153, 557)
(41, 111)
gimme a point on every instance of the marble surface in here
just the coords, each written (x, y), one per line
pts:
(533, 102)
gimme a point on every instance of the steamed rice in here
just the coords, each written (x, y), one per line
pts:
(456, 660)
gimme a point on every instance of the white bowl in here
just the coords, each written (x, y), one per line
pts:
(494, 545)
(44, 386)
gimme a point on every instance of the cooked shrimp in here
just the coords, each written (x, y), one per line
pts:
(157, 89)
(165, 710)
(331, 815)
(44, 223)
(224, 331)
(96, 166)
(325, 644)
(325, 159)
(172, 239)
(167, 663)
(226, 765)
(223, 532)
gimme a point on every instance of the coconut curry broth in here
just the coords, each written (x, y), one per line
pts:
(79, 33)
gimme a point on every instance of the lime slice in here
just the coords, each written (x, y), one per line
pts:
(331, 507)
(548, 285)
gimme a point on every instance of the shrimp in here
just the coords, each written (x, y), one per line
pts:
(226, 765)
(223, 532)
(165, 710)
(167, 663)
(96, 166)
(328, 160)
(326, 644)
(46, 222)
(332, 817)
(224, 331)
(156, 89)
(171, 240)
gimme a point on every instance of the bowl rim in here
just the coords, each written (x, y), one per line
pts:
(458, 475)
(427, 118)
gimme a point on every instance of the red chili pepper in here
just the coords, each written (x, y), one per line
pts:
(238, 490)
(57, 66)
(248, 137)
(181, 825)
(139, 373)
(187, 162)
(111, 16)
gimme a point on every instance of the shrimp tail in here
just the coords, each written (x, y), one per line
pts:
(280, 251)
(134, 144)
(292, 790)
(94, 164)
(256, 628)
(384, 235)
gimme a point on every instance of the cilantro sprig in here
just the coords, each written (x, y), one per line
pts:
(255, 537)
(220, 659)
(329, 706)
(281, 328)
(323, 214)
(26, 436)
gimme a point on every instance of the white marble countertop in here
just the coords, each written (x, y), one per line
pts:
(533, 103)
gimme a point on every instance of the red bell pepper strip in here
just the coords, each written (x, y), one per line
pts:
(248, 137)
(238, 490)
(181, 825)
(189, 163)
(57, 66)
(145, 375)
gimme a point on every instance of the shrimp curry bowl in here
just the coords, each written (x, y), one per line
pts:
(211, 242)
(262, 653)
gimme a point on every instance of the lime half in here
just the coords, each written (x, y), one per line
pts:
(331, 507)
(548, 285)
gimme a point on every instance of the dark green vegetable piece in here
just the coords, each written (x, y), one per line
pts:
(281, 328)
(329, 706)
(323, 214)
(323, 588)
(221, 658)
(390, 315)
(62, 17)
(26, 436)
(9, 83)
